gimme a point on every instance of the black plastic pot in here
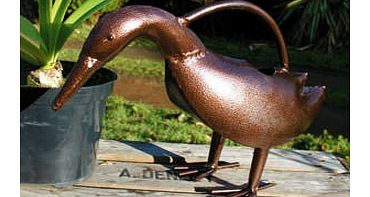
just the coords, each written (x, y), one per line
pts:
(60, 147)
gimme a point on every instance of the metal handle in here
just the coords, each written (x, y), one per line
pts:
(249, 7)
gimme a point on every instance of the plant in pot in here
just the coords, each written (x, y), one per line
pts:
(58, 147)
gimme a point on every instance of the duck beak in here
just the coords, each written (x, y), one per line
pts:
(81, 72)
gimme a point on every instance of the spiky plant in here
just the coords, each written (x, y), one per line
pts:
(324, 23)
(41, 43)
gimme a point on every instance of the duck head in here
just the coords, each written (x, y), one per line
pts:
(106, 40)
(116, 30)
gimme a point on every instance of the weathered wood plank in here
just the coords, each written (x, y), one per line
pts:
(154, 177)
(49, 191)
(157, 152)
(296, 173)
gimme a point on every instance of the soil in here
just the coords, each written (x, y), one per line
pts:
(335, 119)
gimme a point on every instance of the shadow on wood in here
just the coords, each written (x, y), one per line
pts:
(160, 155)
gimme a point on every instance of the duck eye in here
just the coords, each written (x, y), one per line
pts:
(110, 37)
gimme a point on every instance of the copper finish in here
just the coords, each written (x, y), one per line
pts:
(232, 97)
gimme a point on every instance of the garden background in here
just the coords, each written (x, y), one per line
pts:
(317, 33)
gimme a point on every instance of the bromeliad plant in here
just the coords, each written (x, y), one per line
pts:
(324, 23)
(40, 45)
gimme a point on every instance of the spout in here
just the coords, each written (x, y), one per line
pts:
(80, 73)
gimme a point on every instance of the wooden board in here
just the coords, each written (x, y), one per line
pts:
(47, 191)
(157, 152)
(142, 169)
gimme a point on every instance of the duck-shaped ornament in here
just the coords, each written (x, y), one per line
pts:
(256, 108)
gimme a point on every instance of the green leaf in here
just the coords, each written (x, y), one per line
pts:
(29, 31)
(294, 3)
(285, 16)
(57, 15)
(45, 20)
(33, 50)
(59, 9)
(87, 9)
(26, 56)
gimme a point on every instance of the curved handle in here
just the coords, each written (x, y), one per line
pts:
(249, 7)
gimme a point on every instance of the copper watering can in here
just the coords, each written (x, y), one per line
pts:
(252, 107)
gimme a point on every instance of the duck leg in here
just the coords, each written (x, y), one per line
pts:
(196, 173)
(250, 190)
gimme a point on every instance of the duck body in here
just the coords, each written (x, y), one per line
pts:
(240, 102)
(256, 108)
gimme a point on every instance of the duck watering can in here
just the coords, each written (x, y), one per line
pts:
(252, 107)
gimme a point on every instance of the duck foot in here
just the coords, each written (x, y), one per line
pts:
(235, 192)
(200, 171)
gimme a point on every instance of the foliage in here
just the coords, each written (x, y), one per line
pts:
(325, 142)
(40, 45)
(263, 54)
(80, 34)
(126, 120)
(115, 4)
(83, 32)
(144, 43)
(29, 9)
(253, 52)
(324, 23)
(337, 99)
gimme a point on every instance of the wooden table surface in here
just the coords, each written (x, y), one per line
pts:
(142, 169)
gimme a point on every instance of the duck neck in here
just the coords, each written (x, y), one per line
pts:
(172, 36)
